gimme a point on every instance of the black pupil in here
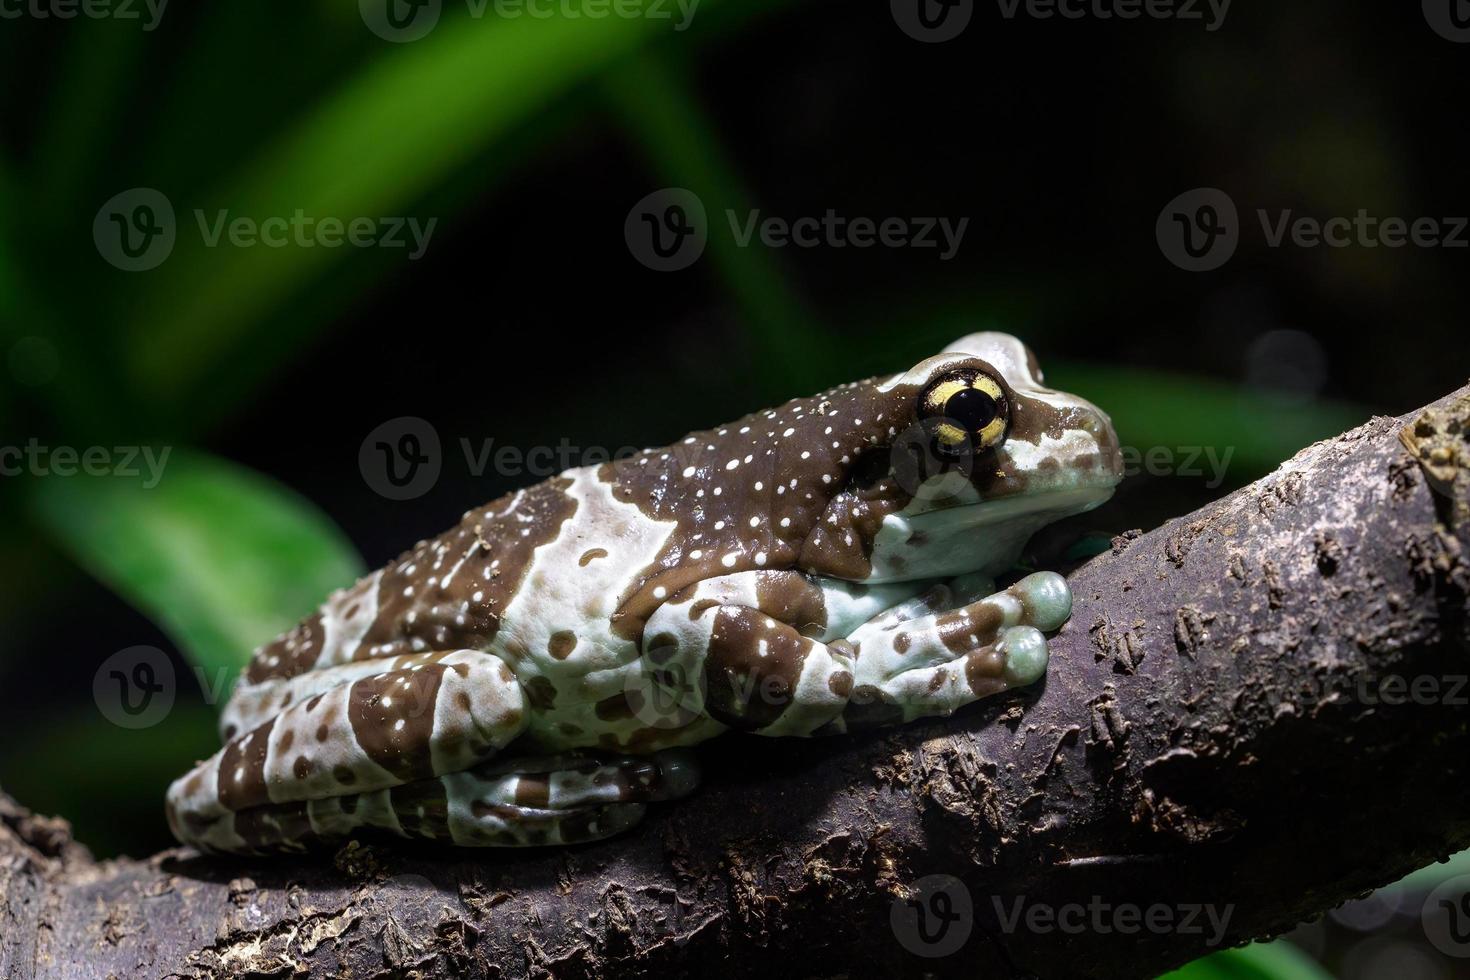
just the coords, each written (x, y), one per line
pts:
(971, 408)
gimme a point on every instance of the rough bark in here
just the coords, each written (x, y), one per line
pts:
(1220, 726)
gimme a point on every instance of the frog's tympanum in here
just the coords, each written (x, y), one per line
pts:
(536, 674)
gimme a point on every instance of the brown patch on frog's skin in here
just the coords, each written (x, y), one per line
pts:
(840, 684)
(779, 468)
(752, 668)
(792, 598)
(242, 770)
(540, 692)
(533, 791)
(615, 708)
(968, 628)
(403, 749)
(590, 555)
(294, 652)
(561, 644)
(983, 672)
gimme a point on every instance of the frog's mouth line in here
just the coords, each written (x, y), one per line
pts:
(1061, 503)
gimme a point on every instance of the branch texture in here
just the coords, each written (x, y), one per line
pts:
(1253, 714)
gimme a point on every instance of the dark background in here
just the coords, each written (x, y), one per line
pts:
(528, 320)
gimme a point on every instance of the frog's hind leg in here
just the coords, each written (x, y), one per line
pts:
(523, 802)
(364, 730)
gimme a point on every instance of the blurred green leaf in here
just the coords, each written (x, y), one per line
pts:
(370, 149)
(654, 103)
(1279, 960)
(221, 557)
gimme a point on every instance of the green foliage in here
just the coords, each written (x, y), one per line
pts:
(220, 556)
(1260, 961)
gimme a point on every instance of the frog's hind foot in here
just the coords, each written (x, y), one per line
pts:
(563, 799)
(518, 802)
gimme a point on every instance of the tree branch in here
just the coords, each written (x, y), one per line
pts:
(1254, 711)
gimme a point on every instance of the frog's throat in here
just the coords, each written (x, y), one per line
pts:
(984, 537)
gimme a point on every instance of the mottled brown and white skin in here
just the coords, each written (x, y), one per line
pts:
(536, 674)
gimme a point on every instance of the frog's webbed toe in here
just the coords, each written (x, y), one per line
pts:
(931, 665)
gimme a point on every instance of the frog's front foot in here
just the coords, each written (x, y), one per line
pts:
(932, 664)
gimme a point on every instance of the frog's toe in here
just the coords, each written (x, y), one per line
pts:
(1046, 600)
(1024, 649)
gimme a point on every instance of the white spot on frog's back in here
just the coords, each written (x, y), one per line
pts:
(561, 592)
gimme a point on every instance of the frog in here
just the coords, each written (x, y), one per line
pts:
(541, 673)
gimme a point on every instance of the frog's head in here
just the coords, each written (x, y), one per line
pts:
(979, 456)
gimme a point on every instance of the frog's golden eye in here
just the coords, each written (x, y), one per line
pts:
(966, 410)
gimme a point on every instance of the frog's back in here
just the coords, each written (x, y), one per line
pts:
(446, 593)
